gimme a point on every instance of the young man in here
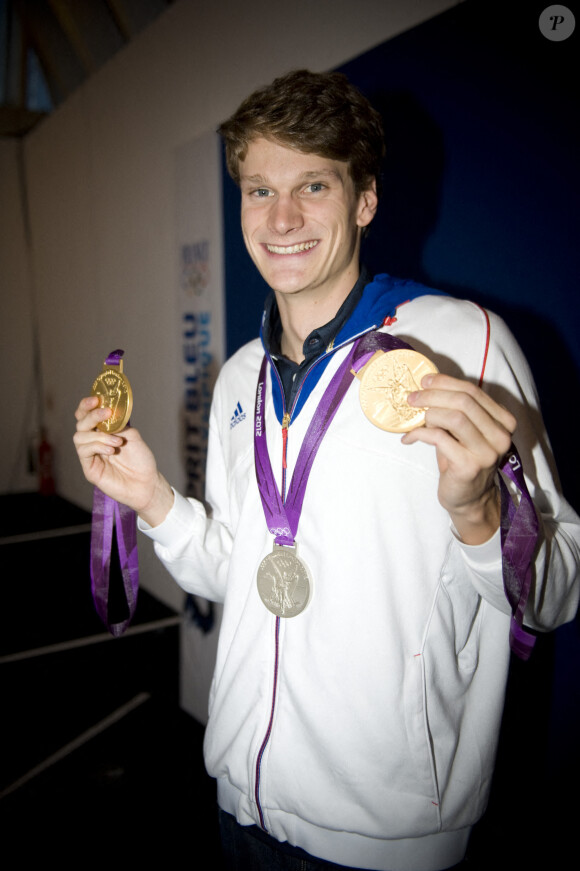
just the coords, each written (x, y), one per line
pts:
(364, 647)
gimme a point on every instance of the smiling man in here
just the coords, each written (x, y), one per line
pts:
(301, 220)
(369, 594)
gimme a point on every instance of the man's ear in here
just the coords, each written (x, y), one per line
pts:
(367, 205)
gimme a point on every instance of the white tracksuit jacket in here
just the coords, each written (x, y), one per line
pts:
(364, 730)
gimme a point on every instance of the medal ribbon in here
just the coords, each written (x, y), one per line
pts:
(519, 534)
(283, 517)
(108, 514)
(519, 523)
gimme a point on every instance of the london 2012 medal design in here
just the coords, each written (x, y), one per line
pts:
(386, 382)
(114, 391)
(284, 582)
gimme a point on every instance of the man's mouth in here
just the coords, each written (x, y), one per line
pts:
(291, 249)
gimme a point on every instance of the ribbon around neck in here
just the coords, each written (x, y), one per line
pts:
(519, 523)
(109, 515)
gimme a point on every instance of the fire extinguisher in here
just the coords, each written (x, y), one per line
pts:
(45, 466)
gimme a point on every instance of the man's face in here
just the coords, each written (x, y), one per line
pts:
(301, 219)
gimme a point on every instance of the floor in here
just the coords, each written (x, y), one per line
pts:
(96, 759)
(99, 763)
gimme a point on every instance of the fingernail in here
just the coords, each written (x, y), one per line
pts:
(426, 381)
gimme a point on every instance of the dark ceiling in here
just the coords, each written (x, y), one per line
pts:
(50, 47)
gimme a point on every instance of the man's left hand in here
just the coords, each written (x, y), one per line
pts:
(470, 433)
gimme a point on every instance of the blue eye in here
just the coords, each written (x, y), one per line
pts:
(262, 192)
(315, 187)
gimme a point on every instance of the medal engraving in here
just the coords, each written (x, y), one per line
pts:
(386, 382)
(114, 391)
(283, 582)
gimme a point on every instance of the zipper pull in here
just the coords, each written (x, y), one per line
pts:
(285, 424)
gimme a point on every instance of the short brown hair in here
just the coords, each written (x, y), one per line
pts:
(315, 113)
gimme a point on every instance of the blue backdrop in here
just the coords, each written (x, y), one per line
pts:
(481, 187)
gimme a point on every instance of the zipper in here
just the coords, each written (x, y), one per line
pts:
(285, 425)
(270, 725)
(286, 419)
(287, 415)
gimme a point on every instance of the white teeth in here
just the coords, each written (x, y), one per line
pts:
(291, 249)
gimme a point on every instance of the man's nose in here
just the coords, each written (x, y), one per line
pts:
(285, 215)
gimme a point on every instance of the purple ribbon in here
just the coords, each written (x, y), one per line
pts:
(114, 358)
(108, 514)
(519, 534)
(282, 516)
(519, 524)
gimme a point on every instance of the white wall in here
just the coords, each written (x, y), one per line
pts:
(17, 381)
(101, 190)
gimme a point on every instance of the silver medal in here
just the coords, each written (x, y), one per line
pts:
(284, 582)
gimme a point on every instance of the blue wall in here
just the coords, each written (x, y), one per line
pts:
(481, 188)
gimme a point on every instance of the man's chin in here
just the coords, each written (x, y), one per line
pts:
(285, 285)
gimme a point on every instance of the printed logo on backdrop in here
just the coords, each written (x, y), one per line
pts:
(198, 371)
(197, 280)
(195, 274)
(198, 366)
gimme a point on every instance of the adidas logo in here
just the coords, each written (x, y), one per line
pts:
(238, 416)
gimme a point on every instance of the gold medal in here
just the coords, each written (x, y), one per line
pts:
(114, 391)
(386, 381)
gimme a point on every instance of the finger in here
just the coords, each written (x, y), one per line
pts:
(465, 473)
(86, 404)
(438, 438)
(94, 442)
(458, 387)
(450, 453)
(442, 391)
(92, 419)
(483, 438)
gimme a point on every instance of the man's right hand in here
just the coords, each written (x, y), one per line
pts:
(122, 465)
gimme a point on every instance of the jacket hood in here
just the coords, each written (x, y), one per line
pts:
(380, 300)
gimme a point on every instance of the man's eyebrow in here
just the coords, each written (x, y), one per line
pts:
(304, 176)
(253, 179)
(317, 173)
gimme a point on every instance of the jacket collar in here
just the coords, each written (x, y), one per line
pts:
(380, 299)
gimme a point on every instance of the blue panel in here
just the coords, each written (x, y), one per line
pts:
(245, 288)
(481, 187)
(481, 193)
